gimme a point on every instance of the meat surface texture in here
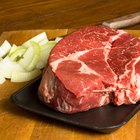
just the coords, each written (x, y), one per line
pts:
(92, 67)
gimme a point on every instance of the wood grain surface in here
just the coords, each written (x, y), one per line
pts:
(52, 14)
(18, 124)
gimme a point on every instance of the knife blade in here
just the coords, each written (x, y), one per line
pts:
(124, 21)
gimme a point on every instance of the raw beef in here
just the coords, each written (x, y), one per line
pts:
(92, 67)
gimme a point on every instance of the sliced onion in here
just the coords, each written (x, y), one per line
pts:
(5, 48)
(18, 76)
(36, 56)
(2, 79)
(23, 63)
(38, 38)
(7, 66)
(27, 57)
(18, 53)
(58, 39)
(13, 49)
(45, 51)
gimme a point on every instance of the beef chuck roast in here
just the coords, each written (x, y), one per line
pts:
(90, 68)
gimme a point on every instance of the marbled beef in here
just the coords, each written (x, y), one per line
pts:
(92, 67)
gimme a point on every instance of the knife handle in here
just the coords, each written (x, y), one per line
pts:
(123, 21)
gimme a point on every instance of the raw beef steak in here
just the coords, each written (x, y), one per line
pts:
(92, 67)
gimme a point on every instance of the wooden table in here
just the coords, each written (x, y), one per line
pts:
(18, 124)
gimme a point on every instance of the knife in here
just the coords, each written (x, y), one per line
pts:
(124, 21)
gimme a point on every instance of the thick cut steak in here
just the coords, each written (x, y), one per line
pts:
(92, 67)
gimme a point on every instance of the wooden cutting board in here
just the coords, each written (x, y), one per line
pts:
(16, 123)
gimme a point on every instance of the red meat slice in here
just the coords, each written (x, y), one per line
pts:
(90, 68)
